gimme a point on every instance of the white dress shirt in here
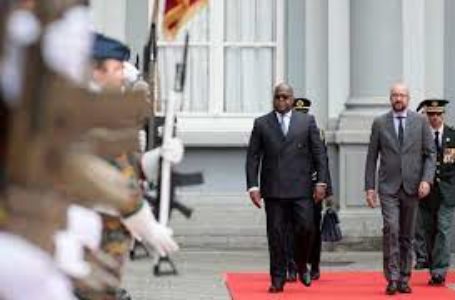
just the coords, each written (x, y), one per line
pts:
(440, 130)
(396, 121)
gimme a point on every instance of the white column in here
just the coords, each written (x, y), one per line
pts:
(434, 49)
(449, 58)
(375, 62)
(338, 56)
(413, 22)
(315, 68)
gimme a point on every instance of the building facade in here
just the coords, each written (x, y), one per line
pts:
(342, 54)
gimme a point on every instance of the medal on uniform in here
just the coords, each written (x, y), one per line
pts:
(449, 156)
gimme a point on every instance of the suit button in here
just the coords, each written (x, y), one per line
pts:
(438, 171)
(438, 180)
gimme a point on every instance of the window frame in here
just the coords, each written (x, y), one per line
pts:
(216, 127)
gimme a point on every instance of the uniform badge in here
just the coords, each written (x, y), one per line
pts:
(449, 156)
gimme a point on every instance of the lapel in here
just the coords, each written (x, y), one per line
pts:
(292, 125)
(273, 122)
(410, 119)
(391, 128)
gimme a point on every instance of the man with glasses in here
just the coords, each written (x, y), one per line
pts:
(285, 148)
(436, 210)
(403, 142)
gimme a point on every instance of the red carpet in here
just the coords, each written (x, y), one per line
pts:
(335, 285)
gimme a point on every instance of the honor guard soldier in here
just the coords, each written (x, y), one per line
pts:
(436, 210)
(303, 105)
(108, 58)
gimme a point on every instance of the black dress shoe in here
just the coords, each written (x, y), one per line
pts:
(404, 288)
(275, 289)
(420, 265)
(305, 278)
(292, 276)
(392, 288)
(437, 280)
(315, 274)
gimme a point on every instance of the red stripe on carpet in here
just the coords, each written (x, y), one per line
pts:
(335, 285)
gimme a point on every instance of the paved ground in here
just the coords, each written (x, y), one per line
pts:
(201, 272)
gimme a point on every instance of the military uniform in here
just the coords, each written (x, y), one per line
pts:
(303, 105)
(437, 209)
(420, 248)
(116, 238)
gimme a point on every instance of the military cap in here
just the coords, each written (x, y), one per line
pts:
(433, 105)
(108, 48)
(302, 104)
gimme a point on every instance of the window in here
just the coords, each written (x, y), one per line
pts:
(235, 58)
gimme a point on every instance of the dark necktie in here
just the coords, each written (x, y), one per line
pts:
(436, 142)
(283, 124)
(400, 130)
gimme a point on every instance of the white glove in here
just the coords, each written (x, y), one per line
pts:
(149, 163)
(69, 255)
(173, 150)
(86, 225)
(67, 44)
(22, 29)
(130, 73)
(142, 140)
(27, 272)
(144, 227)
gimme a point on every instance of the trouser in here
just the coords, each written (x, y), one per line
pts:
(437, 222)
(420, 247)
(399, 214)
(300, 214)
(315, 252)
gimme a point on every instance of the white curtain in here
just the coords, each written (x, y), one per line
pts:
(249, 60)
(196, 91)
(249, 66)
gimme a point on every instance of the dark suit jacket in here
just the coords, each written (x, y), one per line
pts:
(286, 163)
(408, 166)
(445, 172)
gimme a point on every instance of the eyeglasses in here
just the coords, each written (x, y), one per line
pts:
(396, 95)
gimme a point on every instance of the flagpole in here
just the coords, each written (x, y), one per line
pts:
(169, 120)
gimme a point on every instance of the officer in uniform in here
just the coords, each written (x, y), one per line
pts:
(303, 105)
(436, 210)
(420, 249)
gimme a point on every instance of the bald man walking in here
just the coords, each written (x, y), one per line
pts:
(404, 142)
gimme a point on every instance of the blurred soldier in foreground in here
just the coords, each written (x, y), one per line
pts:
(436, 210)
(46, 170)
(108, 57)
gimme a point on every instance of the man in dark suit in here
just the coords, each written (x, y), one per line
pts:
(403, 141)
(436, 210)
(285, 148)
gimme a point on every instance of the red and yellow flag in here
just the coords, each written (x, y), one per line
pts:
(177, 13)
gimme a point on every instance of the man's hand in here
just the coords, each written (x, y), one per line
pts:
(255, 196)
(424, 189)
(372, 199)
(319, 193)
